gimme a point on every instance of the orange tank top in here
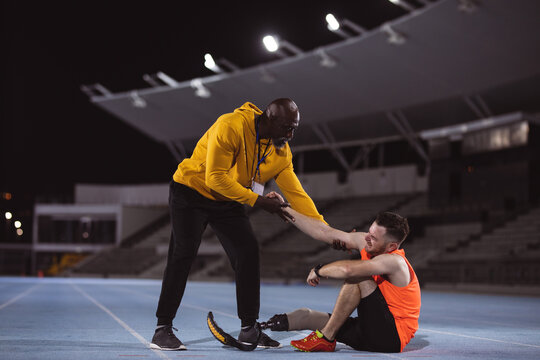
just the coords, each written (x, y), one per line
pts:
(403, 302)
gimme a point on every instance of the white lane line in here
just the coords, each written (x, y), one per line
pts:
(119, 321)
(476, 321)
(24, 293)
(478, 338)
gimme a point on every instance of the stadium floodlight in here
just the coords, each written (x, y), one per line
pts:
(394, 37)
(8, 215)
(402, 4)
(17, 224)
(339, 26)
(271, 43)
(218, 66)
(210, 64)
(332, 22)
(200, 90)
(275, 45)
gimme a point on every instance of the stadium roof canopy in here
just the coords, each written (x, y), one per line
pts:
(454, 66)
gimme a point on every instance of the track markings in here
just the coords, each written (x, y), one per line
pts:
(24, 293)
(479, 338)
(119, 321)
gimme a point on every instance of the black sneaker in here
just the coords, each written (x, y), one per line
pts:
(278, 322)
(250, 335)
(164, 339)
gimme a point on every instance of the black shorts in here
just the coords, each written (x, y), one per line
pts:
(374, 329)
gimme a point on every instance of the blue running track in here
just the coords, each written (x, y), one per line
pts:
(83, 319)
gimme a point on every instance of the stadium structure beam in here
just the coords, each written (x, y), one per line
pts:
(361, 156)
(398, 119)
(458, 130)
(350, 143)
(324, 133)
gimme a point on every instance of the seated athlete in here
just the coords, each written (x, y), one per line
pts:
(382, 287)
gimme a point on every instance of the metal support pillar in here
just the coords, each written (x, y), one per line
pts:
(401, 123)
(328, 139)
(477, 104)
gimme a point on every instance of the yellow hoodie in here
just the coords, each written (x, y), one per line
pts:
(225, 158)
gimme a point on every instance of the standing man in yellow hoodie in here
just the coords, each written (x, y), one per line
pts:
(229, 167)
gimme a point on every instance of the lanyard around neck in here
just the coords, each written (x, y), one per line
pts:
(260, 159)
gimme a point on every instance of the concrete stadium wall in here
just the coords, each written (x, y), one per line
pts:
(152, 194)
(388, 180)
(136, 218)
(379, 181)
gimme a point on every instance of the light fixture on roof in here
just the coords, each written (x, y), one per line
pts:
(222, 65)
(402, 4)
(210, 64)
(338, 27)
(275, 45)
(394, 37)
(160, 79)
(467, 6)
(152, 80)
(95, 90)
(200, 90)
(167, 79)
(267, 76)
(8, 215)
(326, 60)
(136, 100)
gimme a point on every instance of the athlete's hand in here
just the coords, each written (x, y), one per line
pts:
(274, 206)
(312, 278)
(338, 244)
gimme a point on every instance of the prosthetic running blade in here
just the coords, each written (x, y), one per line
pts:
(227, 339)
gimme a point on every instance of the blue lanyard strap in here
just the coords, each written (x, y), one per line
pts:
(265, 154)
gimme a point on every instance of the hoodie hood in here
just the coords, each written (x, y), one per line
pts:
(248, 111)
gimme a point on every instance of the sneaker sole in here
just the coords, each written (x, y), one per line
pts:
(310, 351)
(157, 347)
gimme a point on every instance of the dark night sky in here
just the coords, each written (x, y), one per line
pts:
(51, 135)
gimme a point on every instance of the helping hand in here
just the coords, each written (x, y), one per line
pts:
(341, 245)
(283, 204)
(274, 206)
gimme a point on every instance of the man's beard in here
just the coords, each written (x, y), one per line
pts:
(280, 143)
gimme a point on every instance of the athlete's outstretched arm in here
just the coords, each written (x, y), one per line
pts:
(321, 231)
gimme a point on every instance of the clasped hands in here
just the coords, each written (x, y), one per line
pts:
(275, 204)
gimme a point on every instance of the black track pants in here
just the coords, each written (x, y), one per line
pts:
(190, 214)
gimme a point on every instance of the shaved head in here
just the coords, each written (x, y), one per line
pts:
(282, 108)
(279, 121)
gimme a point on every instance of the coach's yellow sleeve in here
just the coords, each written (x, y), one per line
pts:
(292, 189)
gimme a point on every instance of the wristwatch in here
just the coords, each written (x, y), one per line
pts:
(317, 268)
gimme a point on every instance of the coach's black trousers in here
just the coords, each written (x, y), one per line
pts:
(190, 214)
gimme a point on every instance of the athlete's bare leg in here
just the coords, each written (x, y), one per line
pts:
(306, 319)
(348, 299)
